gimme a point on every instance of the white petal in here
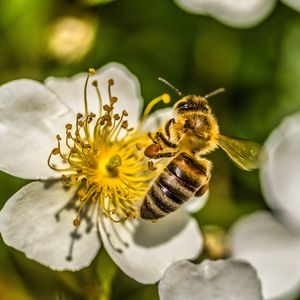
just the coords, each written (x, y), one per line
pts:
(242, 13)
(157, 119)
(295, 4)
(196, 203)
(153, 247)
(280, 175)
(210, 280)
(126, 88)
(30, 118)
(272, 250)
(28, 223)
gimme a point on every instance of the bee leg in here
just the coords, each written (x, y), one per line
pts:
(162, 138)
(152, 138)
(167, 127)
(202, 190)
(166, 154)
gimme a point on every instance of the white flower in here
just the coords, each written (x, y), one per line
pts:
(295, 4)
(217, 280)
(241, 13)
(104, 169)
(272, 244)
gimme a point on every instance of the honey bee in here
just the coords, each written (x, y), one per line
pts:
(191, 134)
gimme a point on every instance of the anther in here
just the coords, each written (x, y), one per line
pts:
(55, 151)
(166, 98)
(106, 107)
(151, 166)
(111, 82)
(125, 113)
(76, 222)
(113, 100)
(95, 83)
(131, 214)
(92, 71)
(125, 124)
(69, 126)
(58, 137)
(139, 146)
(117, 117)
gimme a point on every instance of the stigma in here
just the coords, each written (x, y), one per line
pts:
(99, 154)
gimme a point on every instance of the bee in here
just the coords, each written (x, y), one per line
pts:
(186, 138)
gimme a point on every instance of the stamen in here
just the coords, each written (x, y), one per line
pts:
(107, 168)
(95, 84)
(110, 84)
(164, 97)
(151, 166)
(91, 72)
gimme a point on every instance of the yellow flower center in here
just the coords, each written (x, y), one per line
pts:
(103, 158)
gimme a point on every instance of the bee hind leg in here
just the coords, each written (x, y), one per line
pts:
(202, 190)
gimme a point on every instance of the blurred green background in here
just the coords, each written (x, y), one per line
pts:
(259, 67)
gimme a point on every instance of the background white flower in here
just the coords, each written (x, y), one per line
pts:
(272, 243)
(295, 4)
(242, 13)
(217, 280)
(31, 115)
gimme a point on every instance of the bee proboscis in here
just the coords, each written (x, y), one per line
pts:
(191, 134)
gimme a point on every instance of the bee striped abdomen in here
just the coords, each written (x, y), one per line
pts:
(177, 183)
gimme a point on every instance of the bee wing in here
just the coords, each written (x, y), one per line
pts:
(246, 154)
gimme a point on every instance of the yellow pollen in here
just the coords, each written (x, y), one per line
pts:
(92, 71)
(102, 159)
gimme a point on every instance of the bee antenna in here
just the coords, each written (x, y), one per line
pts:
(171, 87)
(214, 93)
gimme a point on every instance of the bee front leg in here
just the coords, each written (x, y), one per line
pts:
(152, 138)
(169, 126)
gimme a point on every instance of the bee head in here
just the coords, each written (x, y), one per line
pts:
(192, 104)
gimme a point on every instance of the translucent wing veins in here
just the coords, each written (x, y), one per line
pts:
(244, 153)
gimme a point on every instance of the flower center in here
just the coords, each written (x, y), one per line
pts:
(101, 156)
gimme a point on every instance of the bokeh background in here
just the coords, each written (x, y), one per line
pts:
(258, 66)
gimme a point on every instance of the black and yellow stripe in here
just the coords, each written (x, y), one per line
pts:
(177, 183)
